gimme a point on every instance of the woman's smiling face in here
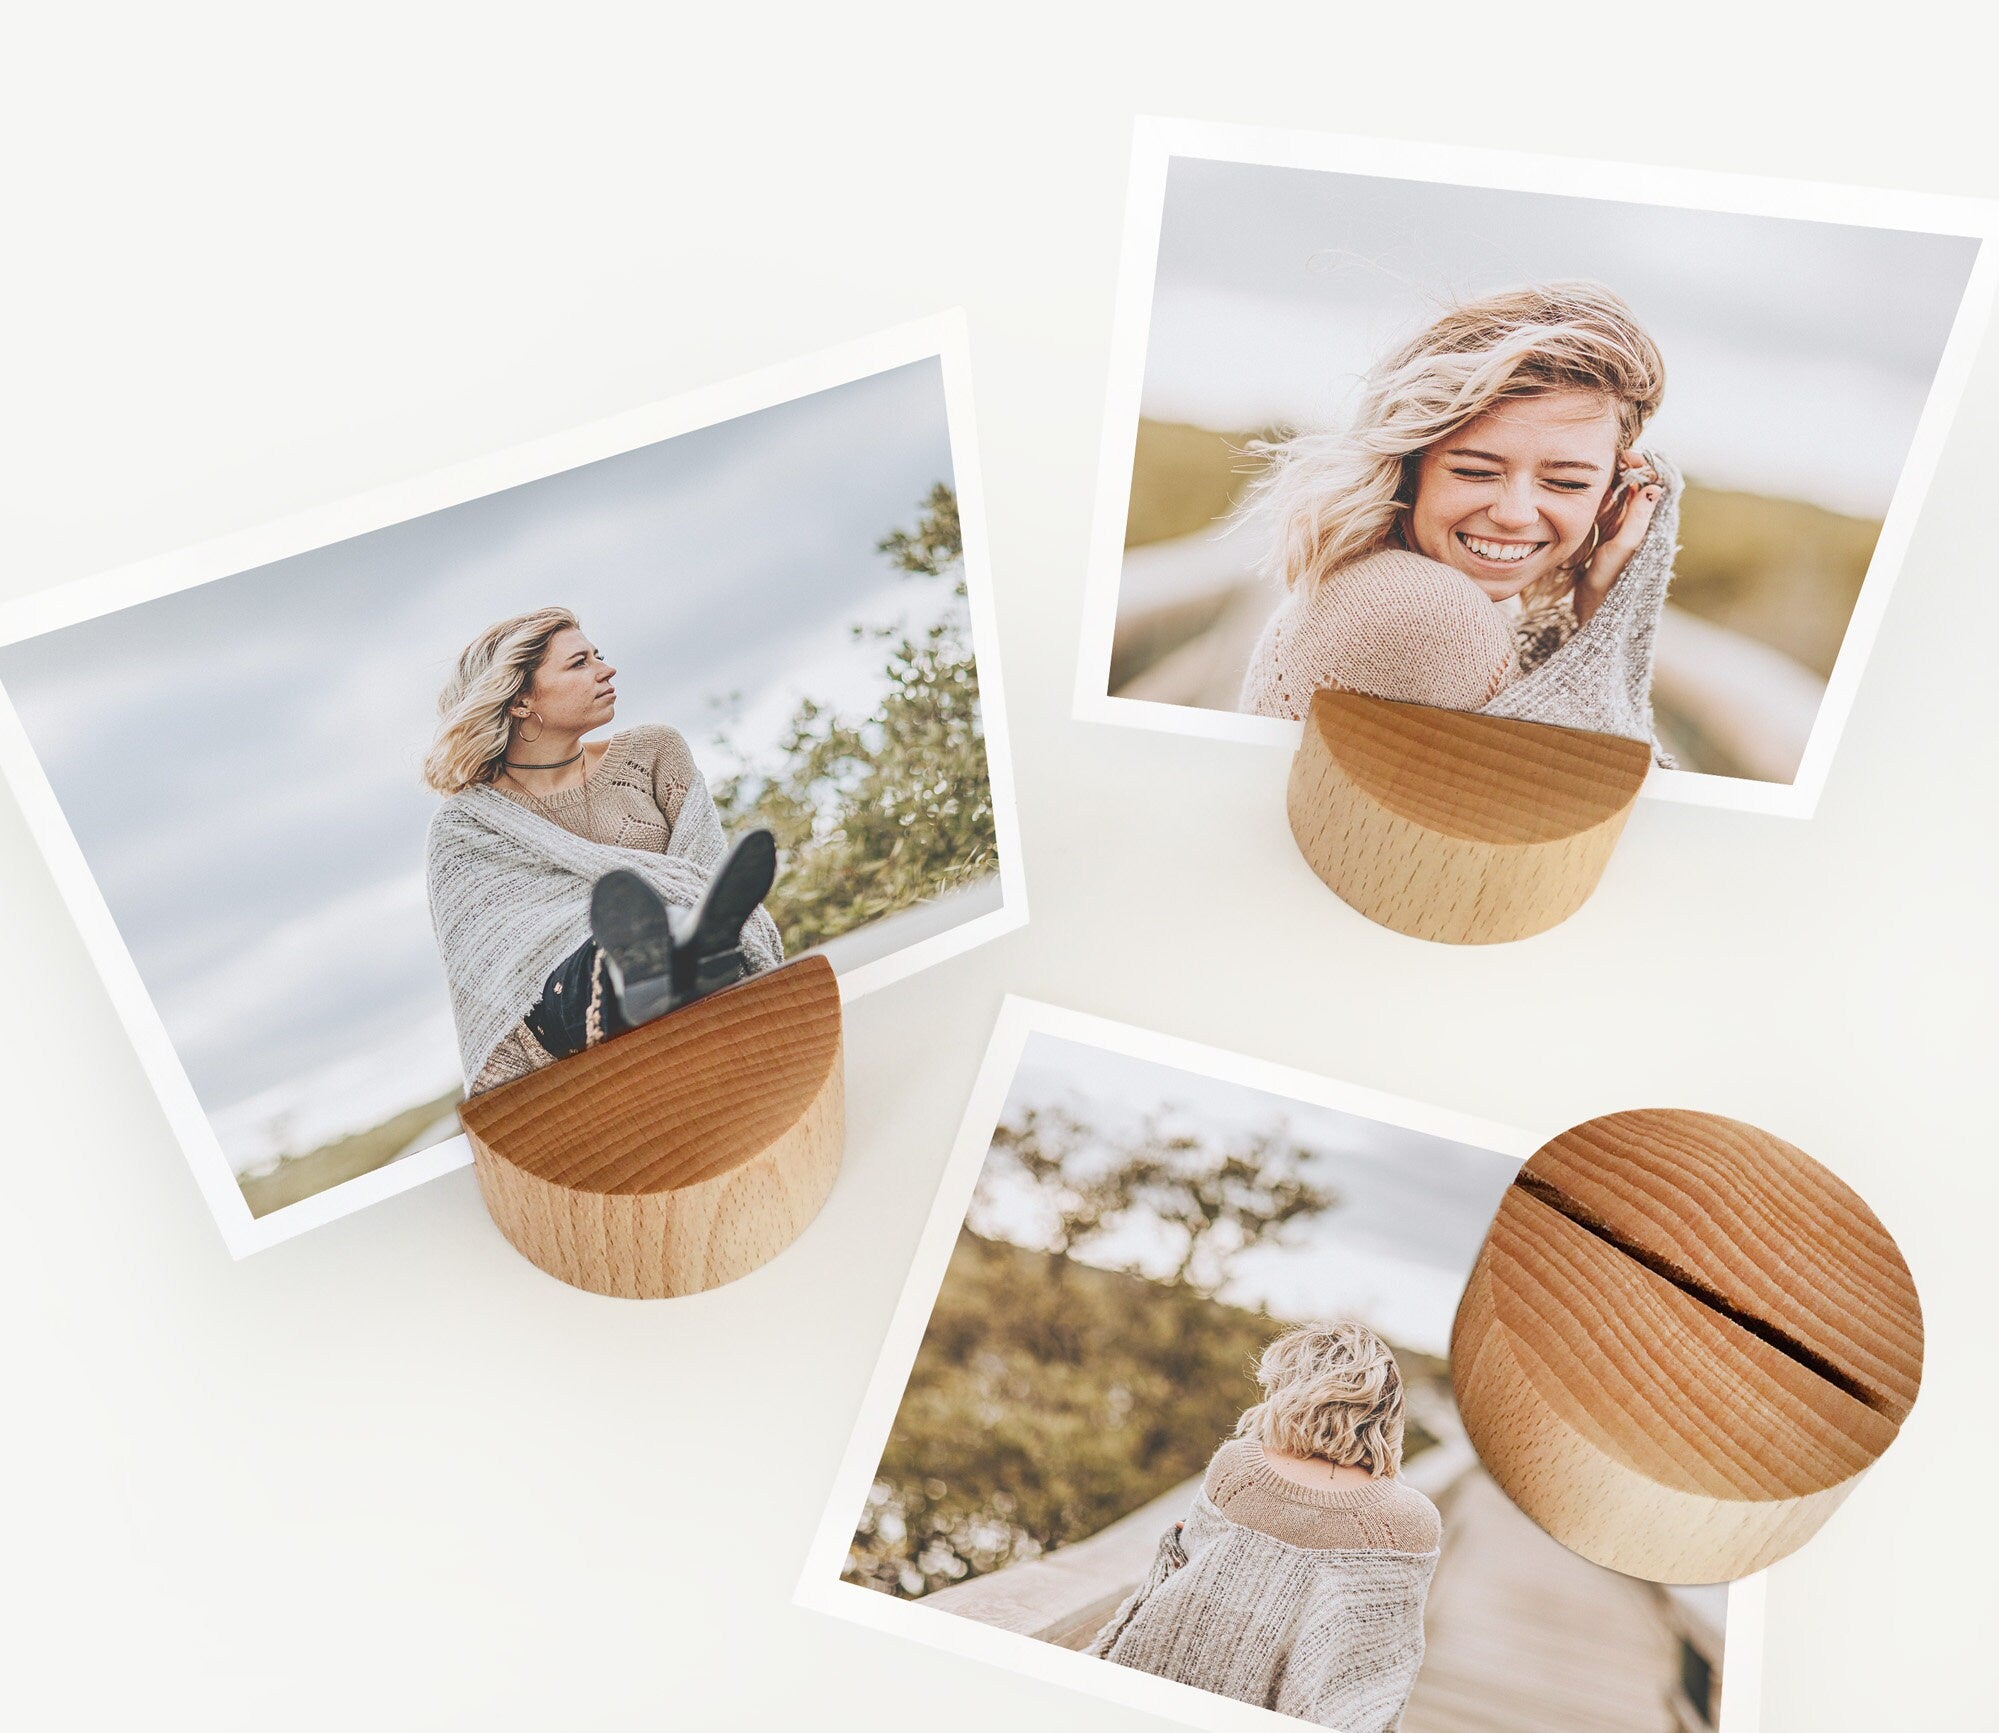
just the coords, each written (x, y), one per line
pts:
(571, 691)
(1511, 495)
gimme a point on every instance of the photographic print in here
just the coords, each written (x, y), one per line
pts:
(384, 804)
(1166, 1415)
(1628, 450)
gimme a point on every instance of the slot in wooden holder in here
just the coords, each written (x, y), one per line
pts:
(679, 1156)
(1445, 825)
(1682, 1343)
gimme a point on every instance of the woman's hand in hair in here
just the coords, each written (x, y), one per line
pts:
(1626, 516)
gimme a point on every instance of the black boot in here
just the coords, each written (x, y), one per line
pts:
(708, 938)
(657, 959)
(632, 930)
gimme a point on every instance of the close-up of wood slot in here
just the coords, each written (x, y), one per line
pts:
(1682, 1343)
(677, 1157)
(1694, 1287)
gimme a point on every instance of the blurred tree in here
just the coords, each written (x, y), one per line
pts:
(1052, 1396)
(1046, 1401)
(936, 545)
(877, 814)
(1213, 1198)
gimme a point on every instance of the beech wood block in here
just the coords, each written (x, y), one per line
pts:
(1683, 1342)
(1445, 825)
(681, 1155)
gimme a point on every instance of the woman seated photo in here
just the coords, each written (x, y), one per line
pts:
(554, 862)
(1486, 535)
(1297, 1581)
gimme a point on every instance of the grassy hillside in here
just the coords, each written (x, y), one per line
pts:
(300, 1176)
(1048, 1400)
(1183, 479)
(1777, 570)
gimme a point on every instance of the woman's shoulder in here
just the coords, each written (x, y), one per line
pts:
(454, 815)
(1401, 625)
(1393, 600)
(1234, 1461)
(650, 743)
(1419, 1524)
(475, 813)
(649, 736)
(1232, 1456)
(1414, 1496)
(457, 827)
(1401, 572)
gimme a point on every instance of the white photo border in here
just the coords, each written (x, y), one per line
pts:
(820, 1587)
(943, 337)
(1156, 141)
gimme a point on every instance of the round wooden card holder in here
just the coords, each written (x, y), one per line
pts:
(1446, 825)
(679, 1156)
(1682, 1344)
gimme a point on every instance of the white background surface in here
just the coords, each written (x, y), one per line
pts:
(389, 1474)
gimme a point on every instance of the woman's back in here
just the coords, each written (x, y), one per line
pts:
(1384, 1512)
(1330, 1636)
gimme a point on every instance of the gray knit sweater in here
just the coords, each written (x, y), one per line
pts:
(1329, 1636)
(1601, 678)
(510, 898)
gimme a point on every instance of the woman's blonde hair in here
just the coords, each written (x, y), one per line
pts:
(492, 673)
(1330, 1391)
(1331, 498)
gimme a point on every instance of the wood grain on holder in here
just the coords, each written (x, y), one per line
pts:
(1682, 1343)
(679, 1156)
(1444, 825)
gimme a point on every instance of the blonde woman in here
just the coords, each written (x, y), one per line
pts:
(554, 859)
(1297, 1581)
(1487, 534)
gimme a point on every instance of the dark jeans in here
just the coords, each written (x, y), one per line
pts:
(560, 1020)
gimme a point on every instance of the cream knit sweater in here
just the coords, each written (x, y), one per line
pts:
(1398, 625)
(631, 799)
(1247, 1488)
(510, 882)
(1329, 1635)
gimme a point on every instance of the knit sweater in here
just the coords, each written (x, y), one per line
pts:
(1398, 625)
(1601, 679)
(510, 879)
(633, 796)
(629, 800)
(1329, 1635)
(1247, 1487)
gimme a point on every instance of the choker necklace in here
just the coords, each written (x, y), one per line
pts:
(557, 765)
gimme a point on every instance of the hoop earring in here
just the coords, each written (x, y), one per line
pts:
(527, 739)
(1582, 560)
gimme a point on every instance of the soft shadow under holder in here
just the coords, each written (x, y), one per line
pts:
(1451, 826)
(678, 1156)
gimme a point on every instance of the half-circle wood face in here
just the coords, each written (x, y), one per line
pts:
(1471, 830)
(1682, 1342)
(678, 1102)
(681, 1155)
(1482, 779)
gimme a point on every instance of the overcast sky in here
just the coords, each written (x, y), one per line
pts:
(1396, 1251)
(240, 761)
(1798, 354)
